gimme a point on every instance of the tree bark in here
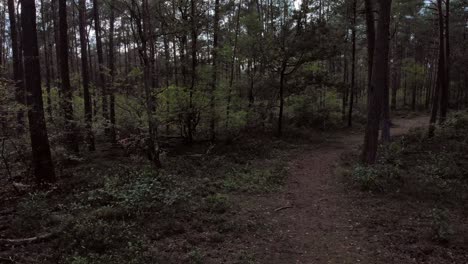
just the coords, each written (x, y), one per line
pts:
(233, 62)
(439, 93)
(370, 32)
(67, 100)
(88, 111)
(101, 80)
(17, 65)
(445, 93)
(281, 95)
(378, 83)
(192, 111)
(46, 60)
(353, 66)
(41, 155)
(57, 42)
(142, 32)
(214, 74)
(112, 133)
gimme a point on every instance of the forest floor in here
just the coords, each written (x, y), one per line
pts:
(256, 201)
(321, 219)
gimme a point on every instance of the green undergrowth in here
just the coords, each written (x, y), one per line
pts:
(429, 174)
(127, 213)
(429, 167)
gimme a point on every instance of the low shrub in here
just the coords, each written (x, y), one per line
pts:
(254, 180)
(377, 178)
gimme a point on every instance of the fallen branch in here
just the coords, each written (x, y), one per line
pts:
(9, 260)
(21, 241)
(283, 208)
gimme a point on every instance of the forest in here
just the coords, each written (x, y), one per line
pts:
(234, 131)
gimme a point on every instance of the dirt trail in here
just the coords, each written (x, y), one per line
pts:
(320, 223)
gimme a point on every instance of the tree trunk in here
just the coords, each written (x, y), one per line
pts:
(192, 111)
(41, 156)
(386, 122)
(214, 76)
(445, 93)
(378, 83)
(112, 134)
(101, 80)
(57, 42)
(67, 100)
(167, 58)
(281, 95)
(88, 112)
(439, 93)
(370, 32)
(46, 60)
(17, 65)
(345, 81)
(233, 61)
(353, 67)
(143, 29)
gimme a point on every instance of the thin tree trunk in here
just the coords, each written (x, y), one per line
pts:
(143, 29)
(57, 43)
(445, 93)
(214, 76)
(439, 93)
(233, 60)
(88, 112)
(281, 95)
(370, 32)
(112, 133)
(345, 81)
(67, 100)
(168, 74)
(192, 114)
(17, 65)
(353, 66)
(46, 60)
(101, 80)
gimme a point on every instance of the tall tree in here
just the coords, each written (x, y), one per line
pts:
(140, 17)
(17, 64)
(440, 92)
(370, 32)
(233, 62)
(353, 64)
(101, 68)
(214, 76)
(445, 93)
(378, 82)
(88, 112)
(111, 64)
(46, 49)
(67, 100)
(191, 116)
(41, 155)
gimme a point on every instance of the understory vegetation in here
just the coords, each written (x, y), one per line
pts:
(420, 186)
(111, 211)
(156, 131)
(431, 167)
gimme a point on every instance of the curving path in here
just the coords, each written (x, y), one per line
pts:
(318, 221)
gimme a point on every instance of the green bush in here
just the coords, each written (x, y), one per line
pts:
(217, 203)
(377, 178)
(142, 190)
(305, 111)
